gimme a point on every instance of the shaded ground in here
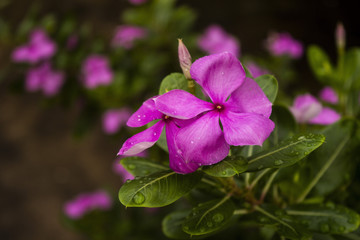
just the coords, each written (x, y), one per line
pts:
(42, 165)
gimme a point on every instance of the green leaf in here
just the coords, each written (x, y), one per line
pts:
(172, 226)
(352, 69)
(269, 85)
(329, 218)
(286, 153)
(333, 163)
(228, 167)
(270, 215)
(209, 217)
(285, 124)
(320, 64)
(173, 81)
(139, 166)
(157, 190)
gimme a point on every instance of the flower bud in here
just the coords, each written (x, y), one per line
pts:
(184, 59)
(340, 36)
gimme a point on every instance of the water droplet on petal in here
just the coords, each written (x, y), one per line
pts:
(139, 198)
(218, 218)
(139, 119)
(192, 142)
(222, 73)
(138, 116)
(154, 133)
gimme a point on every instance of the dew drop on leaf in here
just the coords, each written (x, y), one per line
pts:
(132, 166)
(218, 218)
(278, 162)
(139, 198)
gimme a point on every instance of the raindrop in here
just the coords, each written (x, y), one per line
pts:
(301, 138)
(209, 224)
(262, 219)
(260, 167)
(278, 162)
(138, 116)
(222, 73)
(223, 173)
(139, 198)
(192, 142)
(179, 151)
(144, 115)
(139, 119)
(154, 133)
(218, 218)
(131, 166)
(202, 230)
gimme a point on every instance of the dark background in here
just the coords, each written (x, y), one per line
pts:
(42, 166)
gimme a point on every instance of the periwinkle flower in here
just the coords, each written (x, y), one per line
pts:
(280, 44)
(216, 40)
(39, 47)
(255, 70)
(96, 71)
(237, 102)
(87, 202)
(126, 35)
(327, 94)
(307, 109)
(147, 138)
(114, 119)
(45, 79)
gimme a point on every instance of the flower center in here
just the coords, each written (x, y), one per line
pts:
(166, 117)
(218, 107)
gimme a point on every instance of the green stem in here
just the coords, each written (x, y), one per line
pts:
(268, 184)
(191, 86)
(241, 211)
(247, 175)
(256, 180)
(322, 171)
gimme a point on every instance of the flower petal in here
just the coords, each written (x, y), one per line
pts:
(145, 114)
(249, 98)
(245, 128)
(203, 142)
(327, 116)
(142, 140)
(181, 104)
(177, 163)
(305, 107)
(219, 75)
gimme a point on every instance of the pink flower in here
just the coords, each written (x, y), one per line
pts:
(216, 40)
(96, 71)
(114, 119)
(137, 2)
(147, 138)
(238, 103)
(87, 202)
(126, 35)
(279, 44)
(307, 109)
(255, 70)
(327, 94)
(39, 47)
(44, 78)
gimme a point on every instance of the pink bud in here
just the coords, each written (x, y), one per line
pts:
(340, 36)
(184, 59)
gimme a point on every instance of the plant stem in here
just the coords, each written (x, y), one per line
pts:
(241, 211)
(247, 175)
(268, 184)
(191, 86)
(252, 185)
(322, 171)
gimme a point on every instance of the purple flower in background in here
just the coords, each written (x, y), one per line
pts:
(255, 70)
(237, 102)
(96, 71)
(137, 2)
(147, 138)
(39, 47)
(87, 202)
(327, 94)
(307, 109)
(279, 44)
(126, 35)
(44, 78)
(114, 119)
(216, 40)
